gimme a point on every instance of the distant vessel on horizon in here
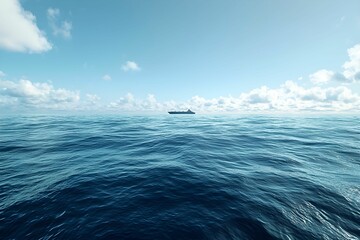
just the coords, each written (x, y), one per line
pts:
(182, 112)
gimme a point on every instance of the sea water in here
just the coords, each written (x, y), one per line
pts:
(179, 177)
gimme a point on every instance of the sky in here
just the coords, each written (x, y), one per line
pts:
(224, 56)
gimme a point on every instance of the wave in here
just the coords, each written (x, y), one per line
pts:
(188, 177)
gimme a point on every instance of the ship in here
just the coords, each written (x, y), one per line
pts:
(182, 112)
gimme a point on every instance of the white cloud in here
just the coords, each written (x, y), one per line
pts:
(92, 98)
(322, 76)
(63, 29)
(125, 103)
(18, 29)
(290, 97)
(352, 67)
(2, 74)
(53, 13)
(106, 77)
(130, 66)
(39, 95)
(130, 103)
(350, 74)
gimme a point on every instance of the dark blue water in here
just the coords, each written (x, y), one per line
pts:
(179, 177)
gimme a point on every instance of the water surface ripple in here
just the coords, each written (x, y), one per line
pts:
(179, 177)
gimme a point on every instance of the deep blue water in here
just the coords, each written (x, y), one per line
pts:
(179, 177)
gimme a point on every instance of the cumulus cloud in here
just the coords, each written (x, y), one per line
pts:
(352, 67)
(59, 28)
(18, 29)
(322, 76)
(2, 74)
(350, 74)
(130, 66)
(39, 95)
(289, 97)
(106, 77)
(130, 103)
(92, 98)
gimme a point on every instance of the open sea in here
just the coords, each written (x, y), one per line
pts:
(179, 177)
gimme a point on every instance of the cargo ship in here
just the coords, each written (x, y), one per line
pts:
(182, 112)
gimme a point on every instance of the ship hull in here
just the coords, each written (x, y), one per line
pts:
(181, 112)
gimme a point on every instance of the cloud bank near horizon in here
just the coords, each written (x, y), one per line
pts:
(27, 94)
(289, 97)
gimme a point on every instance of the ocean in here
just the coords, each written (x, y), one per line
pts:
(179, 177)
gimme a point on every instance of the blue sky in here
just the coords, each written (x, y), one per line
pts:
(209, 55)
